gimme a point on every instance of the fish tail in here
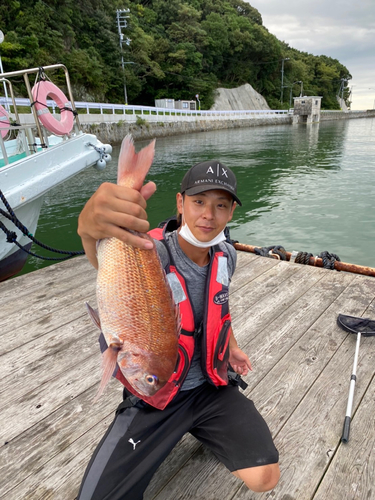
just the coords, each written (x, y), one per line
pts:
(133, 167)
(109, 360)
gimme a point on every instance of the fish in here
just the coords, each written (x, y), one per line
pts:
(137, 314)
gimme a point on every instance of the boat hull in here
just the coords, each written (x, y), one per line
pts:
(24, 184)
(14, 263)
(12, 258)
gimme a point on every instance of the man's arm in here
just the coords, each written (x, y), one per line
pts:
(111, 209)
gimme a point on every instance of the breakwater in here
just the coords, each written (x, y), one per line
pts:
(341, 115)
(112, 128)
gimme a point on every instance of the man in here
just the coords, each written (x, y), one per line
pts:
(203, 403)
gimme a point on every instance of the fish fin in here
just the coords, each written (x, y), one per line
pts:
(109, 360)
(133, 167)
(94, 315)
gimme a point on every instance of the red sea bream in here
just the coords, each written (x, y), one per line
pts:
(137, 314)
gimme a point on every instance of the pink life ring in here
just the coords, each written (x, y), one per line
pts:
(40, 91)
(4, 122)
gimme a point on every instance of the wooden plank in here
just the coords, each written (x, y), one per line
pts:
(19, 415)
(22, 286)
(267, 344)
(244, 258)
(41, 304)
(39, 327)
(27, 453)
(352, 470)
(266, 298)
(294, 399)
(253, 269)
(46, 358)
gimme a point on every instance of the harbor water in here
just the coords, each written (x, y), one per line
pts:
(307, 188)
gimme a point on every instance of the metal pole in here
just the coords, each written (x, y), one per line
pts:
(353, 378)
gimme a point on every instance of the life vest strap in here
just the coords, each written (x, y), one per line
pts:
(129, 402)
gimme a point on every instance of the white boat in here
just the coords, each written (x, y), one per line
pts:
(38, 151)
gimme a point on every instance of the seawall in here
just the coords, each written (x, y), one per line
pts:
(341, 115)
(114, 132)
(112, 127)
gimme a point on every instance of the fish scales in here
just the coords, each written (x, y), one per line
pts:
(131, 298)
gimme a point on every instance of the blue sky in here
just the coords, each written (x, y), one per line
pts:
(342, 29)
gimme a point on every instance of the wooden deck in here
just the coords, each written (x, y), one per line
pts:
(284, 318)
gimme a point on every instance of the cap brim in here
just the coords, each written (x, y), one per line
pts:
(202, 189)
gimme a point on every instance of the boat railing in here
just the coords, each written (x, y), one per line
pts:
(28, 133)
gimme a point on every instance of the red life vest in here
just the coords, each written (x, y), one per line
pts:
(215, 329)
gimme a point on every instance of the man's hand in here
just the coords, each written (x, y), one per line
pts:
(110, 209)
(239, 361)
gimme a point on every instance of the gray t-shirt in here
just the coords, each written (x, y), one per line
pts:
(195, 278)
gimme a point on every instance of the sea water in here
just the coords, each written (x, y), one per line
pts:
(306, 187)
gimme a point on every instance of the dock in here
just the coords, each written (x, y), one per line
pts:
(284, 318)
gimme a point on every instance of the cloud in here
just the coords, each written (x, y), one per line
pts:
(339, 29)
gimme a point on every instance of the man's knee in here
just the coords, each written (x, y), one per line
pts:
(262, 478)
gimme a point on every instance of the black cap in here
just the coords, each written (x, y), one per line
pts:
(209, 175)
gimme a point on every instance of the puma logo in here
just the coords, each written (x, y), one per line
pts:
(133, 443)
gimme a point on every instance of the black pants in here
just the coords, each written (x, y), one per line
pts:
(141, 437)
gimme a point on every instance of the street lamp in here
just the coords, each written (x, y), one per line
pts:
(291, 90)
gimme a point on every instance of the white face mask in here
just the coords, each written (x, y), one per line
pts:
(188, 236)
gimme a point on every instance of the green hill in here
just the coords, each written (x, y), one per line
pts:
(177, 49)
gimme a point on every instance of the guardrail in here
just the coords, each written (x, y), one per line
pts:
(148, 110)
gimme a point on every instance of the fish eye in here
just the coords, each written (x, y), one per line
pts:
(151, 379)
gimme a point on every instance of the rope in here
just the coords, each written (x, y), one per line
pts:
(279, 252)
(329, 259)
(272, 251)
(12, 236)
(303, 258)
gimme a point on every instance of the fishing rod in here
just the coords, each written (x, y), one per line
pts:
(312, 261)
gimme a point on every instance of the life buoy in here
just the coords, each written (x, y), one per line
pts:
(40, 91)
(4, 122)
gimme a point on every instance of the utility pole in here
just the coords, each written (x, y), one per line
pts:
(282, 78)
(121, 24)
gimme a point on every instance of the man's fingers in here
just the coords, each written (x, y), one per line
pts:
(130, 238)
